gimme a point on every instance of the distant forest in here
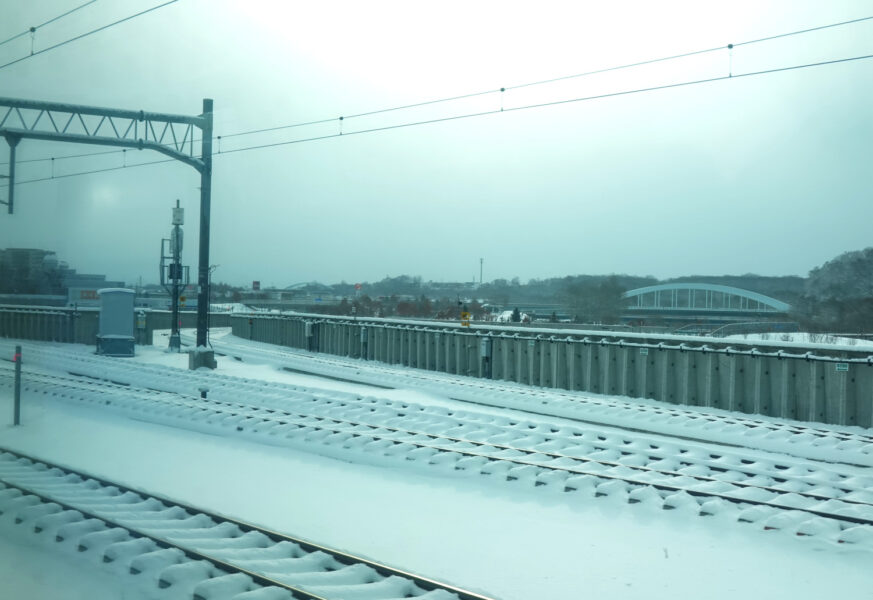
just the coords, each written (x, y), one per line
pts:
(552, 290)
(836, 296)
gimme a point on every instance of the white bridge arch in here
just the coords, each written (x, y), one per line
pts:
(702, 297)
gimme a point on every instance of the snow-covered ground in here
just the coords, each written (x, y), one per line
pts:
(505, 541)
(806, 339)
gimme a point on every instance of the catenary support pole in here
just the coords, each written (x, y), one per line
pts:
(205, 202)
(13, 142)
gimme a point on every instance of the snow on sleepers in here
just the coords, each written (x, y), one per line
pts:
(339, 405)
(392, 420)
(430, 452)
(199, 555)
(817, 441)
(617, 459)
(849, 445)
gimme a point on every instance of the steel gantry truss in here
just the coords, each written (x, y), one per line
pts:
(172, 135)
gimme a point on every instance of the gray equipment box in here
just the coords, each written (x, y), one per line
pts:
(115, 329)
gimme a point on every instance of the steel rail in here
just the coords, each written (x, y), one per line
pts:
(255, 412)
(161, 542)
(229, 350)
(340, 556)
(708, 464)
(194, 402)
(529, 451)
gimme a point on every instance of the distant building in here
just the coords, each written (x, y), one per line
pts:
(28, 271)
(35, 272)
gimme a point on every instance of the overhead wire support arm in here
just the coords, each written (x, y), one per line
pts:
(169, 134)
(172, 135)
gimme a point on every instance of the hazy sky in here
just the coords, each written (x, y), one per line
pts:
(769, 174)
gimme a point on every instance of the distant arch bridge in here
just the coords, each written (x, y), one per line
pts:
(701, 299)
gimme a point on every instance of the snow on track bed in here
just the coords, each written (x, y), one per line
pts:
(189, 552)
(853, 445)
(820, 442)
(826, 502)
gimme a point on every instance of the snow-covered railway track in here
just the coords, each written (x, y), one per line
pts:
(402, 423)
(831, 444)
(807, 501)
(700, 423)
(196, 553)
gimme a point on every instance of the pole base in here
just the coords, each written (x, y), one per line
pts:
(201, 358)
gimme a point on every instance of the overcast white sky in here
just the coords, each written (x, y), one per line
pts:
(768, 174)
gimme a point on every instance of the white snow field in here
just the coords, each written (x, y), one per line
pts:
(508, 538)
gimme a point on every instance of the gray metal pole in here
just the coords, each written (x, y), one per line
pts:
(175, 242)
(13, 142)
(205, 202)
(16, 415)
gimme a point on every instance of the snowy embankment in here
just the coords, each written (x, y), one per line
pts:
(514, 539)
(816, 441)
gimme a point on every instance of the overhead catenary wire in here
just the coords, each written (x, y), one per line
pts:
(803, 31)
(487, 92)
(668, 86)
(691, 53)
(87, 33)
(557, 102)
(41, 25)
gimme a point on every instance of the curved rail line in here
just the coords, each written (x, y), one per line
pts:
(622, 409)
(281, 416)
(852, 449)
(56, 486)
(238, 350)
(846, 511)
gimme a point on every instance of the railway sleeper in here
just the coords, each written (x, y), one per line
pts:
(187, 574)
(36, 511)
(223, 587)
(182, 523)
(155, 561)
(220, 530)
(126, 550)
(73, 531)
(15, 501)
(98, 541)
(252, 539)
(279, 551)
(681, 500)
(49, 524)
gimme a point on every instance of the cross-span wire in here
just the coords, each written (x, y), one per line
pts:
(41, 25)
(493, 91)
(87, 33)
(681, 84)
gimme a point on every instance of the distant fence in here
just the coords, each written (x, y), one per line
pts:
(79, 325)
(805, 383)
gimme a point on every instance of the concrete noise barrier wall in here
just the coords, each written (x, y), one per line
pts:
(807, 383)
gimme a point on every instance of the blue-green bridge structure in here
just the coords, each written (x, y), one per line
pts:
(701, 302)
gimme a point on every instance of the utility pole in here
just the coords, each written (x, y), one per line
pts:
(174, 276)
(176, 273)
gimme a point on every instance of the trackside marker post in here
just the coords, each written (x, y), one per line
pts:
(16, 415)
